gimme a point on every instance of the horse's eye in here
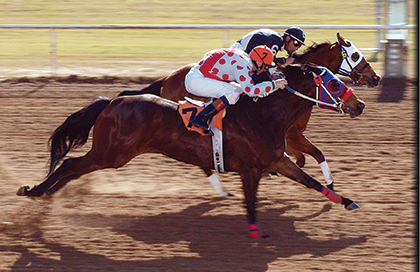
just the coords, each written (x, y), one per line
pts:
(355, 56)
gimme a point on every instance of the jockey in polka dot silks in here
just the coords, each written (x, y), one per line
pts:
(226, 73)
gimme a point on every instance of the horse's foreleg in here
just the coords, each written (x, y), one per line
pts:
(250, 185)
(216, 183)
(300, 158)
(293, 134)
(296, 140)
(289, 169)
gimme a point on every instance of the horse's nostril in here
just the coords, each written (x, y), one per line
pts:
(376, 78)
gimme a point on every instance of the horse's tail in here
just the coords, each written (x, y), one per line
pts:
(74, 132)
(154, 88)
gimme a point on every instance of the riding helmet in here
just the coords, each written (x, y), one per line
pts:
(262, 53)
(296, 33)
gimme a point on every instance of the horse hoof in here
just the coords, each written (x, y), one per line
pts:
(23, 191)
(226, 194)
(352, 206)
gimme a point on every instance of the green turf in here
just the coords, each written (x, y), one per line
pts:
(32, 47)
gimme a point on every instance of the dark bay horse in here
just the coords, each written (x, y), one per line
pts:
(127, 126)
(340, 57)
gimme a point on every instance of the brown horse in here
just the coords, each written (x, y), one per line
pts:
(128, 126)
(340, 57)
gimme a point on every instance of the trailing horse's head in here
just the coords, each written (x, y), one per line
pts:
(326, 90)
(355, 65)
(340, 57)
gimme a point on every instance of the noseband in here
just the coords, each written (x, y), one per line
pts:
(349, 69)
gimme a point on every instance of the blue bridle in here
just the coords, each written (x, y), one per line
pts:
(330, 91)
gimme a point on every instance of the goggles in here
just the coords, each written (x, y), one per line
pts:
(296, 43)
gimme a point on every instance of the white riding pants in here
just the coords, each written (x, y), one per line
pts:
(197, 84)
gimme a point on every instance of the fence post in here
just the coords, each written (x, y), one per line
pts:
(378, 22)
(396, 53)
(53, 52)
(396, 49)
(226, 38)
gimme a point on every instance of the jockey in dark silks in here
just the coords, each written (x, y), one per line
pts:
(292, 39)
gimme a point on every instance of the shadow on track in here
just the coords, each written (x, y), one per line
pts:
(218, 242)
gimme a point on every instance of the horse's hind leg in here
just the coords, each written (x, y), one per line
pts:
(61, 183)
(289, 169)
(70, 169)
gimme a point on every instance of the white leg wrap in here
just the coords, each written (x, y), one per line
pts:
(215, 181)
(326, 171)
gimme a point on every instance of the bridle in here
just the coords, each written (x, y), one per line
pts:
(337, 102)
(349, 67)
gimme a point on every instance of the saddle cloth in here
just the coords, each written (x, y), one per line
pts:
(188, 110)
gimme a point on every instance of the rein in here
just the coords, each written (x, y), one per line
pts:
(301, 95)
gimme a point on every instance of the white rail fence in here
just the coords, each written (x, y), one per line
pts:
(53, 38)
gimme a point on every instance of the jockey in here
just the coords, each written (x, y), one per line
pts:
(226, 74)
(292, 39)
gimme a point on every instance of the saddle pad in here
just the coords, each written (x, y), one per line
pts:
(189, 111)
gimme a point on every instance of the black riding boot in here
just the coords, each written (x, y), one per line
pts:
(202, 118)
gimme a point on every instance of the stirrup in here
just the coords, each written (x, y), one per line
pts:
(205, 130)
(198, 122)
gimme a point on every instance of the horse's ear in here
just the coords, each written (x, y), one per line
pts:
(341, 40)
(310, 64)
(311, 67)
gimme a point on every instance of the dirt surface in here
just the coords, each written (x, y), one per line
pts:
(157, 214)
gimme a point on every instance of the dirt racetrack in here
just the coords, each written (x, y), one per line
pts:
(157, 214)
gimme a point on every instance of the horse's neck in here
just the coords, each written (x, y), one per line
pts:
(295, 107)
(326, 55)
(277, 112)
(281, 109)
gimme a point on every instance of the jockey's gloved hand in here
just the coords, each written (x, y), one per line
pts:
(263, 76)
(276, 76)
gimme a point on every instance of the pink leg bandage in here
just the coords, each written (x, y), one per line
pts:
(333, 196)
(253, 230)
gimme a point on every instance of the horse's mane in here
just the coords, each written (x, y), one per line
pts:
(315, 47)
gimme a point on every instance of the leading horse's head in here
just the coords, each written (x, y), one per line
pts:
(354, 64)
(327, 90)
